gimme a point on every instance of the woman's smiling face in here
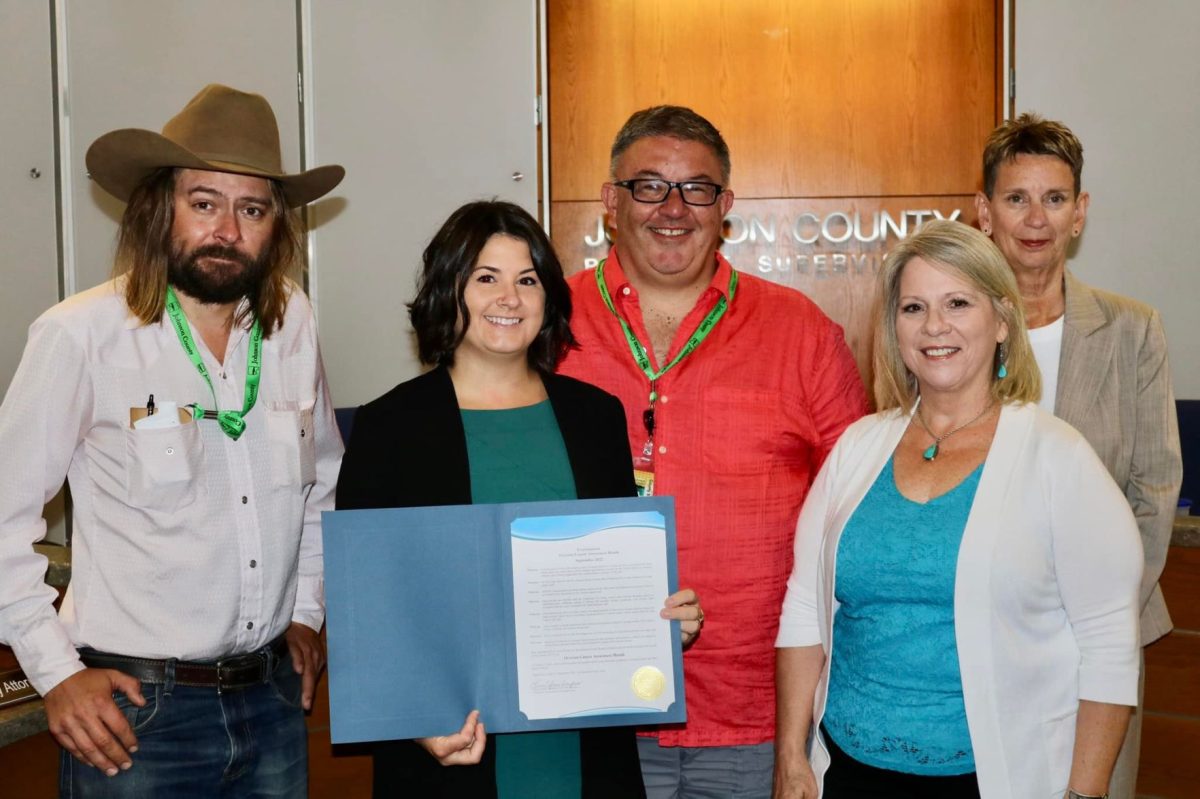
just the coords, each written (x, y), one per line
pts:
(505, 301)
(947, 330)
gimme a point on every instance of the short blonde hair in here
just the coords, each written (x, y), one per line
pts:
(971, 256)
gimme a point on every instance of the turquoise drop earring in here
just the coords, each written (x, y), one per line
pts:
(1002, 372)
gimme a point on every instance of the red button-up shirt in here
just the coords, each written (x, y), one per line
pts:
(741, 427)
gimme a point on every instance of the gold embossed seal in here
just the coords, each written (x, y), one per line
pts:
(648, 683)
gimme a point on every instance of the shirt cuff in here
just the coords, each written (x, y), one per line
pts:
(793, 636)
(47, 655)
(310, 601)
(1111, 684)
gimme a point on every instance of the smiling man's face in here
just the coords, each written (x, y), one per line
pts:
(668, 243)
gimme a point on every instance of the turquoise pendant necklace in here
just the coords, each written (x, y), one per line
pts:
(931, 451)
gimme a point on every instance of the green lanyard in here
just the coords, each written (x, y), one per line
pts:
(232, 422)
(641, 357)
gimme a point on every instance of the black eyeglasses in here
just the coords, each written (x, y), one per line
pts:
(654, 190)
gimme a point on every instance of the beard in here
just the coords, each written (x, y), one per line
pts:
(217, 284)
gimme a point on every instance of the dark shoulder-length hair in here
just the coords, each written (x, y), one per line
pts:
(447, 264)
(144, 247)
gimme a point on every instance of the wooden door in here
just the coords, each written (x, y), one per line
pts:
(849, 123)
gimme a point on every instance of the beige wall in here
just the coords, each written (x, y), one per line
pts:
(28, 229)
(428, 106)
(1126, 78)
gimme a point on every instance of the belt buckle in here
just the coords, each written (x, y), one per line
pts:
(227, 668)
(222, 666)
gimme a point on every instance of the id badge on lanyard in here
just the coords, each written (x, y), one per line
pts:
(643, 461)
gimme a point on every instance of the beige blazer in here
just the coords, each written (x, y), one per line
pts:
(1114, 386)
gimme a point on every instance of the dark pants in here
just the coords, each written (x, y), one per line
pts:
(848, 778)
(198, 743)
(608, 762)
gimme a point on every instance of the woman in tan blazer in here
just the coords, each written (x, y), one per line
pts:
(1103, 357)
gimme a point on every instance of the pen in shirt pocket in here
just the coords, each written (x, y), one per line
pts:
(156, 415)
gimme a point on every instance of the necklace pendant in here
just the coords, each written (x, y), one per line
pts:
(931, 452)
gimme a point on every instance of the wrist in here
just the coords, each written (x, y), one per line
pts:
(791, 747)
(1073, 794)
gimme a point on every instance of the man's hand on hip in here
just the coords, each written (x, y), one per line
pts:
(308, 658)
(86, 721)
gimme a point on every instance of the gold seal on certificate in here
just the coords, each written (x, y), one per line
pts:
(648, 683)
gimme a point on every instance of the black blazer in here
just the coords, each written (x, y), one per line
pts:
(408, 449)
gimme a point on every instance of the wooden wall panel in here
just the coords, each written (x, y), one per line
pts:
(817, 98)
(828, 106)
(29, 768)
(1180, 583)
(1169, 768)
(341, 772)
(1171, 730)
(1173, 675)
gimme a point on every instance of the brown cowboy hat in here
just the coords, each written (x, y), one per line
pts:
(221, 130)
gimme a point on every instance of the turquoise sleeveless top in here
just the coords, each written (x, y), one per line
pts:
(895, 691)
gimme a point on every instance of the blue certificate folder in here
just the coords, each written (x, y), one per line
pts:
(421, 618)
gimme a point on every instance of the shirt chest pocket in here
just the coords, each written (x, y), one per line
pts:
(164, 467)
(742, 431)
(293, 450)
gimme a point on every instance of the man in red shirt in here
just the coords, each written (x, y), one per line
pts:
(735, 389)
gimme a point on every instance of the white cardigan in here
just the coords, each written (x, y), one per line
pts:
(1045, 597)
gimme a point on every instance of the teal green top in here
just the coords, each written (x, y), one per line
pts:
(895, 697)
(518, 455)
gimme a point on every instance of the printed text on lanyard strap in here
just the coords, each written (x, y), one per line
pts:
(232, 422)
(641, 357)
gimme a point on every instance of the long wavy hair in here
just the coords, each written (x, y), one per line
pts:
(144, 248)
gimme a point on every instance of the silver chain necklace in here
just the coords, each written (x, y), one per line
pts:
(931, 451)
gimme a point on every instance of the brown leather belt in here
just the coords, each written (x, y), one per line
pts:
(226, 674)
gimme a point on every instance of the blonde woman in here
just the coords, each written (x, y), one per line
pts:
(962, 617)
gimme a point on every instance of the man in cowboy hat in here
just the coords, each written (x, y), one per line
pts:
(185, 402)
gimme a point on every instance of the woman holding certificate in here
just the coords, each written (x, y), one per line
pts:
(962, 617)
(492, 423)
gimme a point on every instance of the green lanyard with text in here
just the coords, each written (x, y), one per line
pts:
(232, 422)
(641, 357)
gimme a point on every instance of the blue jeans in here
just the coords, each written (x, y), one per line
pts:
(195, 742)
(707, 772)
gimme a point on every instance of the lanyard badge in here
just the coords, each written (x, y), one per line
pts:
(232, 423)
(644, 461)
